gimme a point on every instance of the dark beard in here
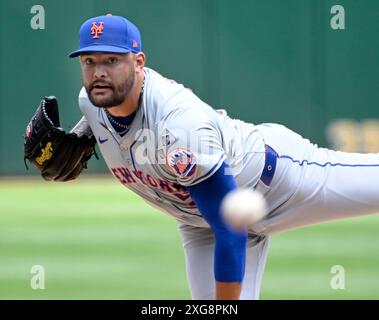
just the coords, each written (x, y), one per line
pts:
(119, 94)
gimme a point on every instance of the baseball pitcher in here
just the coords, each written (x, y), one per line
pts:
(182, 156)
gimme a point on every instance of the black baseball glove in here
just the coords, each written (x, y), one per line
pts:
(58, 155)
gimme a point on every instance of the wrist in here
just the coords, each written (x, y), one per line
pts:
(228, 290)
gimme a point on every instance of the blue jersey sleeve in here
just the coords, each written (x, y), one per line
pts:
(230, 245)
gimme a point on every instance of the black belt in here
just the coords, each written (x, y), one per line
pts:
(270, 165)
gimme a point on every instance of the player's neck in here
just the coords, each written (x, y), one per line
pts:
(130, 104)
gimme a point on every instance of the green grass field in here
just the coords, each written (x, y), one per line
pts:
(97, 240)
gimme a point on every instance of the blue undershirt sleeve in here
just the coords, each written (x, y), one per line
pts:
(230, 245)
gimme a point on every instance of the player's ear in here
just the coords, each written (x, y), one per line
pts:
(140, 60)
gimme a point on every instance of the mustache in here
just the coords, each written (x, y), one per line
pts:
(101, 83)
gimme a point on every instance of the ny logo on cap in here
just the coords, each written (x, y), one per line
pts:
(96, 30)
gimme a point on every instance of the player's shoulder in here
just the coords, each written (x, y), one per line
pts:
(85, 104)
(173, 103)
(83, 96)
(83, 93)
(160, 91)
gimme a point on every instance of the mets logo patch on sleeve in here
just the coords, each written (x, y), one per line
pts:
(183, 162)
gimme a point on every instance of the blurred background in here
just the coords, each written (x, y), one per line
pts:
(311, 65)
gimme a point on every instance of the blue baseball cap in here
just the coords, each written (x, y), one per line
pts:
(108, 33)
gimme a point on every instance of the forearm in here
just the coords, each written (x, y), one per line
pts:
(228, 290)
(230, 245)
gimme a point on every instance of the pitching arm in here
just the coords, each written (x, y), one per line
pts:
(230, 245)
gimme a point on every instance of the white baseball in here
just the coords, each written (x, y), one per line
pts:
(243, 207)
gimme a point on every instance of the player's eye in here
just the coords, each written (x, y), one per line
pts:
(88, 62)
(112, 60)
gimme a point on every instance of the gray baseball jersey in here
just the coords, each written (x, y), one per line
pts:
(176, 140)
